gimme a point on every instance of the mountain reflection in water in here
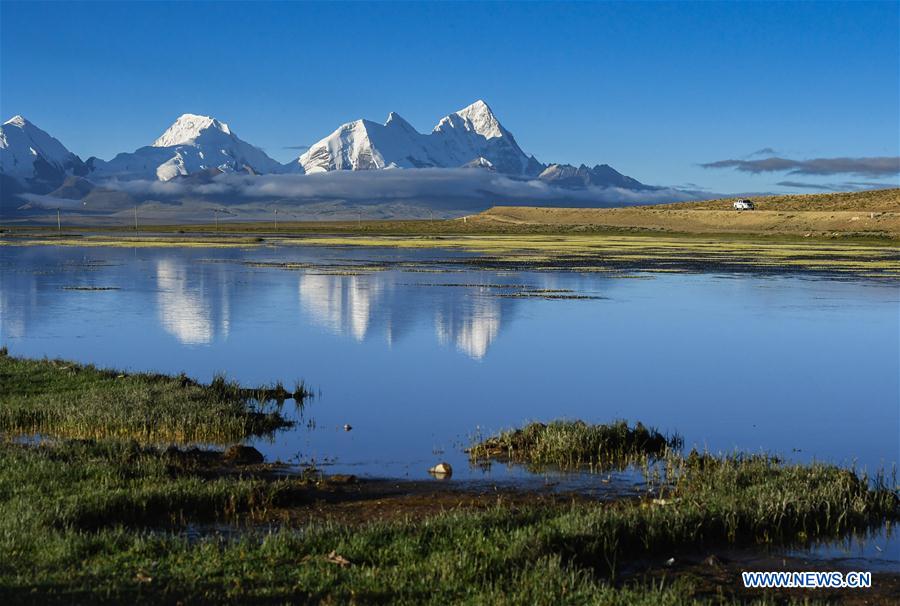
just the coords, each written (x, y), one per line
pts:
(417, 353)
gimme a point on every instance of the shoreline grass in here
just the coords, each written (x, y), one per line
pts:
(64, 399)
(92, 522)
(108, 521)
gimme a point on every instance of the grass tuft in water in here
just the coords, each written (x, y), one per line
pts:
(575, 444)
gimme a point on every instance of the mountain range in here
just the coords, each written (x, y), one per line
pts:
(197, 149)
(471, 137)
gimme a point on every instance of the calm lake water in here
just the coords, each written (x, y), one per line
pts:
(417, 361)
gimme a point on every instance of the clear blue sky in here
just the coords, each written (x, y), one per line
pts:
(653, 89)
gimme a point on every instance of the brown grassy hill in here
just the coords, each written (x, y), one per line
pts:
(884, 200)
(872, 213)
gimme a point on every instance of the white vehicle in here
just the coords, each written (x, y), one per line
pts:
(744, 205)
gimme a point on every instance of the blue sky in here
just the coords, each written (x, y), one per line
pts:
(653, 89)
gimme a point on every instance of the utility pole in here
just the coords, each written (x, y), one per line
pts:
(58, 224)
(276, 219)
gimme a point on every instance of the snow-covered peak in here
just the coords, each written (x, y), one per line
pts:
(17, 120)
(480, 116)
(477, 118)
(480, 162)
(349, 147)
(395, 120)
(193, 144)
(187, 128)
(32, 156)
(22, 142)
(470, 137)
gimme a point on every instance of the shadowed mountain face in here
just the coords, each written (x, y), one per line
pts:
(602, 175)
(73, 188)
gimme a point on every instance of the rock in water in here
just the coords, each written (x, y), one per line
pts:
(243, 455)
(441, 470)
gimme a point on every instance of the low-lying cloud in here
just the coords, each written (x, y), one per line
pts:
(845, 186)
(863, 167)
(421, 185)
(339, 195)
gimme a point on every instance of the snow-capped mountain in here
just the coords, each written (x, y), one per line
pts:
(191, 145)
(601, 175)
(199, 151)
(32, 160)
(367, 145)
(470, 137)
(474, 132)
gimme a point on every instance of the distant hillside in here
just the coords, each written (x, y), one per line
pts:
(878, 200)
(866, 214)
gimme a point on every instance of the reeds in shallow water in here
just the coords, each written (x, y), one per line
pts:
(575, 444)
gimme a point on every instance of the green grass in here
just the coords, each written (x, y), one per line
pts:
(102, 520)
(88, 484)
(65, 399)
(574, 444)
(87, 522)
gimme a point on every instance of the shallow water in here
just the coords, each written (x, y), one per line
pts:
(878, 550)
(418, 361)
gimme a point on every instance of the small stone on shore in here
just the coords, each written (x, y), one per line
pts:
(441, 470)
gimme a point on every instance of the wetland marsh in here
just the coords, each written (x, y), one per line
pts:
(416, 349)
(771, 393)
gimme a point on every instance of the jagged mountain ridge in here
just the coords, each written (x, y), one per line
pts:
(470, 137)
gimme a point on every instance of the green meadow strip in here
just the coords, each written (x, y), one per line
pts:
(65, 399)
(99, 522)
